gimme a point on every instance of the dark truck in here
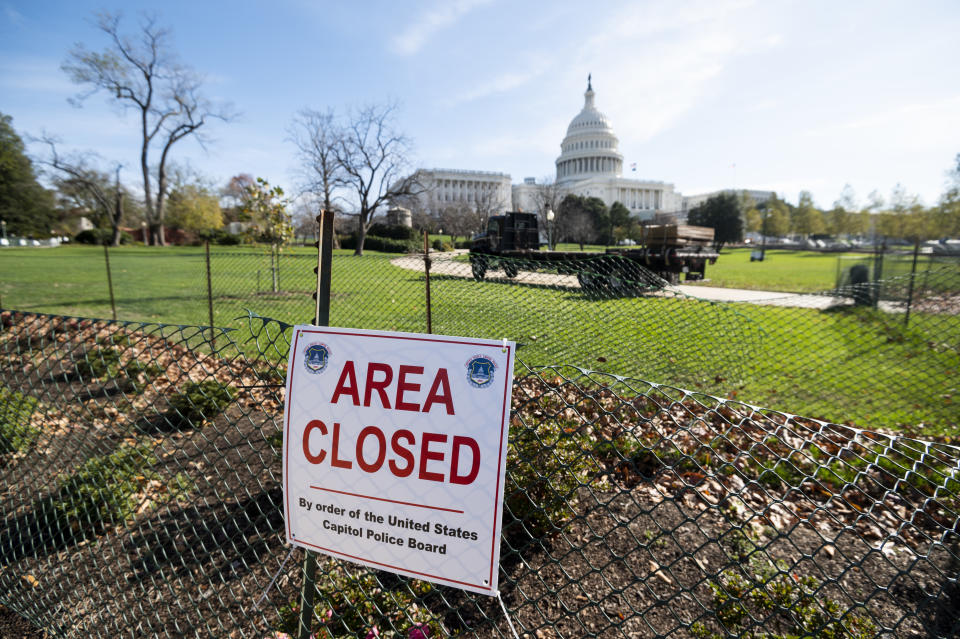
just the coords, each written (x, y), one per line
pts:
(666, 252)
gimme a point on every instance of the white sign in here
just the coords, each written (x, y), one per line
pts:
(395, 449)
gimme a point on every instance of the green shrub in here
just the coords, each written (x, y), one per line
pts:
(200, 401)
(383, 244)
(100, 236)
(103, 490)
(99, 362)
(16, 433)
(545, 466)
(789, 604)
(350, 605)
(394, 232)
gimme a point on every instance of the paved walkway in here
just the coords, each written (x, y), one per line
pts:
(446, 265)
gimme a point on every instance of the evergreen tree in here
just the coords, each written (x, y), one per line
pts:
(721, 213)
(25, 206)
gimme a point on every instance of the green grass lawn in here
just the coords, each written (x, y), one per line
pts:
(786, 271)
(855, 365)
(800, 271)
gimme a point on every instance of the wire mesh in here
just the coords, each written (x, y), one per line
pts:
(850, 354)
(140, 496)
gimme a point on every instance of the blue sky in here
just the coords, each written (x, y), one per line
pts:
(705, 95)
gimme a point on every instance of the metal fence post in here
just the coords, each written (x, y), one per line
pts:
(913, 275)
(320, 318)
(426, 270)
(878, 273)
(213, 338)
(113, 304)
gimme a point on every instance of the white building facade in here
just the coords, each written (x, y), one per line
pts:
(758, 197)
(451, 188)
(589, 165)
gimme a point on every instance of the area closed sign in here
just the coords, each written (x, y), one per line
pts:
(395, 449)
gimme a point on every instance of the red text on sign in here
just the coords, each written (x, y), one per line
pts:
(432, 460)
(380, 377)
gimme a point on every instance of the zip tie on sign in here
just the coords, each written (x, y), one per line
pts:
(504, 349)
(507, 615)
(276, 574)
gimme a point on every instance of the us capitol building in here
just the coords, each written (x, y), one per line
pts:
(590, 164)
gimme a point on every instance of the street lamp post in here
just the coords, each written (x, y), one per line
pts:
(550, 216)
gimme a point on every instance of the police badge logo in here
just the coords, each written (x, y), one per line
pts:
(480, 371)
(315, 357)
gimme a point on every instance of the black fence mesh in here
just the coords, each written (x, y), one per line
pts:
(876, 353)
(140, 496)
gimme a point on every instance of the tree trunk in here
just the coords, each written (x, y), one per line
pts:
(361, 235)
(117, 214)
(156, 234)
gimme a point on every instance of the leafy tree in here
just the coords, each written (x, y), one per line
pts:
(906, 218)
(806, 219)
(267, 207)
(777, 218)
(752, 219)
(597, 213)
(142, 73)
(721, 213)
(946, 217)
(25, 206)
(193, 208)
(619, 219)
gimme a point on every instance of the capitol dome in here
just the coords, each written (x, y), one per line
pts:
(590, 148)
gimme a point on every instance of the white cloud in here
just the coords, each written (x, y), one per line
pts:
(535, 67)
(12, 15)
(34, 74)
(441, 16)
(662, 59)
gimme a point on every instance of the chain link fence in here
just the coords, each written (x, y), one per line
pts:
(876, 353)
(140, 496)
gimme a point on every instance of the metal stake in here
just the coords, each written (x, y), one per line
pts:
(913, 276)
(324, 260)
(113, 304)
(426, 270)
(321, 318)
(213, 337)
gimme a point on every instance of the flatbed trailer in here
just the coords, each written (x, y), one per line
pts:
(670, 251)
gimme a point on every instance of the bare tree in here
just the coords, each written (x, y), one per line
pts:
(317, 136)
(456, 220)
(373, 158)
(142, 74)
(579, 227)
(488, 202)
(81, 175)
(547, 198)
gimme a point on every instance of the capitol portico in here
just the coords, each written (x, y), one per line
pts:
(590, 165)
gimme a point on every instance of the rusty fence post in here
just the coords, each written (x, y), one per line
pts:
(321, 317)
(106, 259)
(426, 270)
(213, 337)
